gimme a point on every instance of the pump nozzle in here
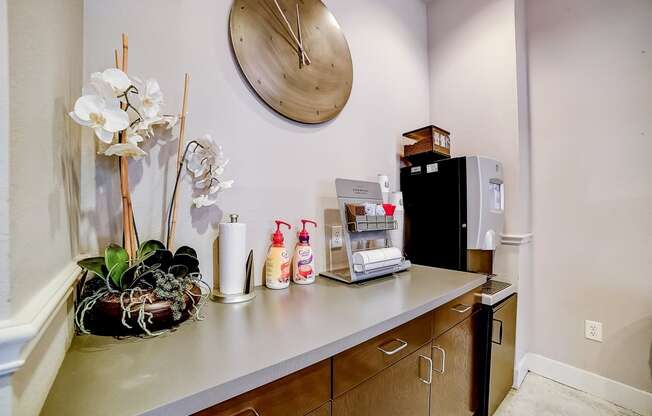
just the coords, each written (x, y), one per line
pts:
(277, 237)
(303, 235)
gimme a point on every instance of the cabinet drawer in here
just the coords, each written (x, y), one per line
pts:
(447, 316)
(401, 390)
(357, 364)
(293, 395)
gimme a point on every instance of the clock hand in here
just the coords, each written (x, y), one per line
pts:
(289, 27)
(303, 61)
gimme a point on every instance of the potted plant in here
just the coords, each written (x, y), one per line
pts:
(142, 288)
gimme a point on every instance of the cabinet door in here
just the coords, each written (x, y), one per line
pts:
(503, 338)
(401, 389)
(325, 410)
(455, 381)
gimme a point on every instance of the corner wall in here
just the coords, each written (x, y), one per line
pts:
(591, 104)
(477, 79)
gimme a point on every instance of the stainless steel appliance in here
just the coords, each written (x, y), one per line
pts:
(497, 343)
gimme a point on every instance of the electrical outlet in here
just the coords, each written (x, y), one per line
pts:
(336, 236)
(593, 330)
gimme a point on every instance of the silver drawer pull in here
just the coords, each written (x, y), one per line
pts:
(395, 350)
(443, 359)
(461, 308)
(429, 360)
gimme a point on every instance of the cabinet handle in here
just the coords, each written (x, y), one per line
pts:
(443, 359)
(500, 334)
(429, 360)
(461, 308)
(395, 350)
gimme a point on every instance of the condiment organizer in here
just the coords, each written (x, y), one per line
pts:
(366, 237)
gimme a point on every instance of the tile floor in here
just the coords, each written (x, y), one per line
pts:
(543, 397)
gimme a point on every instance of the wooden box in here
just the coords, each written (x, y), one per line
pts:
(430, 139)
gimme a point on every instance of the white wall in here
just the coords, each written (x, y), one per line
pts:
(282, 169)
(4, 163)
(39, 161)
(590, 69)
(45, 56)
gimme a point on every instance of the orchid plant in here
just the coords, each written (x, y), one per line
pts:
(122, 111)
(118, 104)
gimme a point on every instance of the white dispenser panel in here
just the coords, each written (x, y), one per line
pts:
(485, 207)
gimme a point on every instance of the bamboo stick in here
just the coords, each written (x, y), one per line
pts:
(182, 132)
(127, 219)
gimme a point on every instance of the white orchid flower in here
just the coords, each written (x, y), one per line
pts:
(147, 125)
(204, 201)
(220, 186)
(227, 184)
(125, 150)
(110, 83)
(150, 99)
(170, 121)
(103, 115)
(206, 163)
(134, 137)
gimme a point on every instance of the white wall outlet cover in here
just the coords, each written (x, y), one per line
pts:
(336, 236)
(593, 330)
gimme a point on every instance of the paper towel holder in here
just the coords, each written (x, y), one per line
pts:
(249, 292)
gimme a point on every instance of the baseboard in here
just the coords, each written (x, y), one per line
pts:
(520, 371)
(610, 390)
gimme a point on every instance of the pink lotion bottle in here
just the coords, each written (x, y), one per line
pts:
(303, 264)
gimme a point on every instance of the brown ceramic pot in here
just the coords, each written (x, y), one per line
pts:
(105, 318)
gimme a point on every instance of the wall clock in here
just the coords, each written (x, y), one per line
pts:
(294, 55)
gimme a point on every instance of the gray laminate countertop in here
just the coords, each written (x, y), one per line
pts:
(240, 347)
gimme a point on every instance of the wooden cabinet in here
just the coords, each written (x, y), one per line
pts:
(401, 389)
(357, 364)
(295, 395)
(324, 410)
(450, 314)
(454, 389)
(426, 367)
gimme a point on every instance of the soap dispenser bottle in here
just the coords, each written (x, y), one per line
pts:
(277, 264)
(303, 264)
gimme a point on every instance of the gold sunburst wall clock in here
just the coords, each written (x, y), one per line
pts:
(294, 55)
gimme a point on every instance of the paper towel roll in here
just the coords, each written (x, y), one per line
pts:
(232, 257)
(396, 198)
(376, 259)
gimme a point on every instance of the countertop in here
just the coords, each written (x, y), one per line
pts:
(240, 347)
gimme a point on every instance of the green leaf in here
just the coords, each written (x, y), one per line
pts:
(186, 250)
(117, 261)
(95, 265)
(149, 247)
